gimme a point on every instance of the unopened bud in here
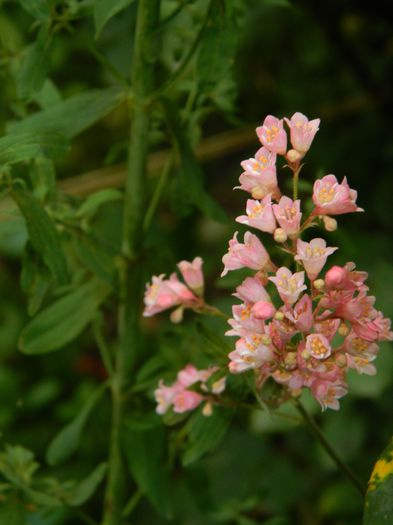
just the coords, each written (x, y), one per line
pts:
(290, 359)
(177, 315)
(343, 329)
(266, 340)
(207, 410)
(279, 316)
(329, 223)
(305, 354)
(341, 360)
(335, 277)
(258, 193)
(280, 235)
(319, 284)
(263, 310)
(294, 156)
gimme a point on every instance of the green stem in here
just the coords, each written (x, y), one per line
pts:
(308, 419)
(296, 182)
(130, 275)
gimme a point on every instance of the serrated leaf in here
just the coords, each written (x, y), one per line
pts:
(63, 320)
(189, 184)
(34, 66)
(85, 489)
(71, 116)
(66, 442)
(145, 452)
(205, 433)
(43, 235)
(379, 498)
(23, 146)
(104, 10)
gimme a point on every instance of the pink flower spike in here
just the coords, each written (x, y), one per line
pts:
(289, 285)
(318, 346)
(288, 215)
(252, 254)
(192, 274)
(272, 135)
(251, 291)
(302, 131)
(332, 198)
(186, 400)
(313, 255)
(259, 215)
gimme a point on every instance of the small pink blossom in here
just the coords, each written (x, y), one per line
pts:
(259, 177)
(327, 394)
(259, 215)
(289, 285)
(164, 397)
(302, 131)
(166, 293)
(345, 278)
(192, 274)
(313, 255)
(250, 353)
(272, 135)
(252, 290)
(252, 254)
(243, 321)
(263, 310)
(332, 198)
(186, 400)
(318, 346)
(188, 376)
(301, 315)
(288, 215)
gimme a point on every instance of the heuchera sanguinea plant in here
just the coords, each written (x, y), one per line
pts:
(296, 324)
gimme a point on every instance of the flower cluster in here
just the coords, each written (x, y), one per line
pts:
(294, 326)
(182, 395)
(320, 328)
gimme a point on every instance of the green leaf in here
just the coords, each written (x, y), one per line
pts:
(43, 235)
(23, 146)
(84, 490)
(39, 9)
(91, 204)
(189, 184)
(35, 279)
(63, 320)
(379, 499)
(95, 257)
(104, 10)
(145, 452)
(71, 116)
(205, 433)
(66, 442)
(35, 64)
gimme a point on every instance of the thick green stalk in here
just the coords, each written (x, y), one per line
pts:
(131, 267)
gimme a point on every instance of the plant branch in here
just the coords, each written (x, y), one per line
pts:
(314, 428)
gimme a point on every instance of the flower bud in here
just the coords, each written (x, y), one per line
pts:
(266, 340)
(263, 310)
(335, 276)
(343, 329)
(177, 315)
(279, 316)
(258, 193)
(319, 284)
(280, 235)
(207, 410)
(329, 223)
(341, 360)
(293, 156)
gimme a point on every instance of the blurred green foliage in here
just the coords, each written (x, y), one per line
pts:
(63, 66)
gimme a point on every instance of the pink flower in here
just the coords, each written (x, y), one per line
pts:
(332, 198)
(302, 131)
(289, 285)
(188, 376)
(244, 321)
(186, 400)
(259, 177)
(327, 394)
(345, 278)
(318, 346)
(165, 293)
(252, 254)
(288, 215)
(313, 255)
(301, 316)
(250, 353)
(272, 135)
(164, 396)
(192, 274)
(252, 290)
(259, 215)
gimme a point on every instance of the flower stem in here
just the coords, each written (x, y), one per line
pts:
(130, 270)
(314, 428)
(296, 182)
